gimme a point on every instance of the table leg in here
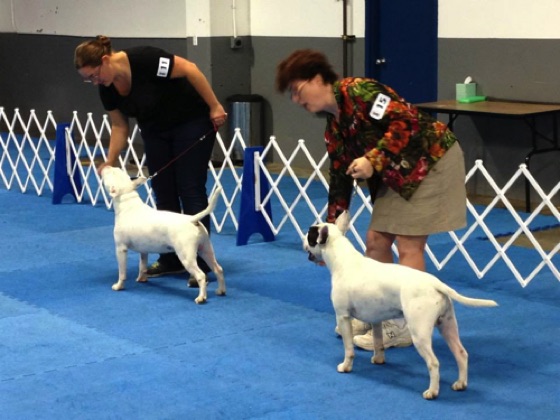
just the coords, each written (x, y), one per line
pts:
(535, 150)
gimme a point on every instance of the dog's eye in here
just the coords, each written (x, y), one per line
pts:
(312, 235)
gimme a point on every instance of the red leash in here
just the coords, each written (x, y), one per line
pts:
(214, 130)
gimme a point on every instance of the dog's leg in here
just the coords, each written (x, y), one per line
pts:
(344, 323)
(378, 357)
(421, 330)
(433, 369)
(206, 252)
(450, 332)
(143, 268)
(201, 280)
(121, 252)
(188, 259)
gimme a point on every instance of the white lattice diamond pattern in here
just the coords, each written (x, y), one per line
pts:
(28, 159)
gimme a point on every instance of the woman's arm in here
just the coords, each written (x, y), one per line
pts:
(188, 69)
(118, 140)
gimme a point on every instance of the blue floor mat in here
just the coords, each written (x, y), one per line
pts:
(73, 348)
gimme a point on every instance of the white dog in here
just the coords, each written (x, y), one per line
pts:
(372, 292)
(144, 229)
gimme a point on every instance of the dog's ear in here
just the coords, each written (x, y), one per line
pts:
(139, 181)
(323, 235)
(113, 191)
(343, 221)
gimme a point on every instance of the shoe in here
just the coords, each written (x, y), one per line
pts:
(160, 268)
(394, 335)
(358, 327)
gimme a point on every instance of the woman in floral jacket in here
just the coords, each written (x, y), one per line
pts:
(413, 164)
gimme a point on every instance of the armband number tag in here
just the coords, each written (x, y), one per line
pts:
(163, 68)
(379, 106)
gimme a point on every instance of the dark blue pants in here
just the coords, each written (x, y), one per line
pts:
(181, 186)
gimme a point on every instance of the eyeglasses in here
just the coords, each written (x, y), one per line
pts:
(295, 91)
(94, 76)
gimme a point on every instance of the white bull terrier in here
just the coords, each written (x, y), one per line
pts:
(372, 292)
(144, 229)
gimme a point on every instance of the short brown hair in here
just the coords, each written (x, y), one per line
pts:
(303, 65)
(89, 53)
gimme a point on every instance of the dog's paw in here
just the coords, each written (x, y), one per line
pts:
(378, 359)
(142, 279)
(459, 386)
(220, 292)
(430, 395)
(199, 300)
(344, 368)
(118, 286)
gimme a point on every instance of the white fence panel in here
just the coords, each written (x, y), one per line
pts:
(28, 157)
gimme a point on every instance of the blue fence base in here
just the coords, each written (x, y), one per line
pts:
(62, 184)
(250, 220)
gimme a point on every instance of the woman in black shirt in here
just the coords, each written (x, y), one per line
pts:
(174, 106)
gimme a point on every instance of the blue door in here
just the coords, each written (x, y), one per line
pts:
(401, 46)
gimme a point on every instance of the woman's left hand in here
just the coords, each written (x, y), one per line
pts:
(360, 168)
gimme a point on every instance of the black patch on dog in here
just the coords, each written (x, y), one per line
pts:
(312, 235)
(324, 235)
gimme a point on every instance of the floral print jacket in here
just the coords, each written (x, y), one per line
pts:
(401, 142)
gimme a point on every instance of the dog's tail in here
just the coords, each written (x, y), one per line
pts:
(453, 294)
(211, 205)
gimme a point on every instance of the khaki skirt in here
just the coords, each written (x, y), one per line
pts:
(438, 205)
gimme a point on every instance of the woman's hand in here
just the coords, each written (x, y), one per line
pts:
(218, 115)
(101, 166)
(360, 168)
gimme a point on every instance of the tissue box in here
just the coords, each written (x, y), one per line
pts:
(465, 90)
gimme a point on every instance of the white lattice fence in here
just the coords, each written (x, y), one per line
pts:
(296, 201)
(361, 209)
(25, 158)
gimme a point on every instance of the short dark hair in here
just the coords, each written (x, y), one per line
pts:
(303, 65)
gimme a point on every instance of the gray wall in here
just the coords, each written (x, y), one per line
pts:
(37, 73)
(285, 120)
(505, 69)
(41, 73)
(41, 76)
